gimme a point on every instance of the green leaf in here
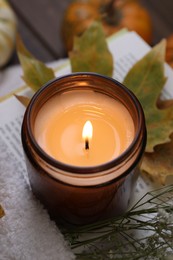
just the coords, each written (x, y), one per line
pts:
(90, 52)
(35, 72)
(146, 79)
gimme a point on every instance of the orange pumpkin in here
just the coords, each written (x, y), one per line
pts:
(114, 15)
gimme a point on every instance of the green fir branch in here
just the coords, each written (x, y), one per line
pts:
(143, 232)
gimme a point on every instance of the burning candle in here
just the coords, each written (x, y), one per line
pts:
(60, 122)
(87, 133)
(83, 136)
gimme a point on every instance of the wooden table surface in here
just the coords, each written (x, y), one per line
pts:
(39, 23)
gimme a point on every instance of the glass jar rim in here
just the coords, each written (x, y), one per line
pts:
(84, 169)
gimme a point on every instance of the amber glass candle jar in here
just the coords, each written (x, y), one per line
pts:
(83, 193)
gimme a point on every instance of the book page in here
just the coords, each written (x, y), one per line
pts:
(26, 231)
(27, 224)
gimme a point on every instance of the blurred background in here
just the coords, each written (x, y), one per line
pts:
(40, 25)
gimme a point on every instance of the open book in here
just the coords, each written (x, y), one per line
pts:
(26, 231)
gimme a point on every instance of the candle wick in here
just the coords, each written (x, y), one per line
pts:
(86, 144)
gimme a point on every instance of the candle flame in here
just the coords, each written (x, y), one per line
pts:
(87, 131)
